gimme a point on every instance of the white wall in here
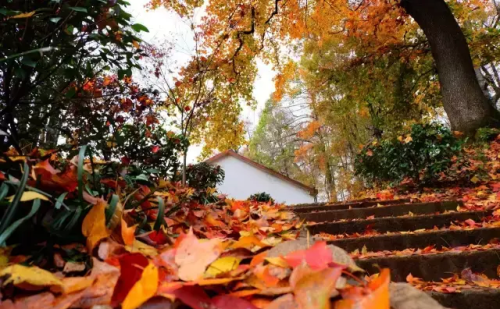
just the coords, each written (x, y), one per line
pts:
(243, 180)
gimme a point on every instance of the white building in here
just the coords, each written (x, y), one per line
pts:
(245, 177)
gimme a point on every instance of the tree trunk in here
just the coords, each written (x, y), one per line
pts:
(463, 100)
(483, 84)
(184, 166)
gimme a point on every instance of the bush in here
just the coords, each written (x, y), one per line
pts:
(202, 176)
(420, 155)
(486, 135)
(154, 151)
(261, 197)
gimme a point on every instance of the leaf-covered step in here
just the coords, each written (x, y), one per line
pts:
(307, 208)
(384, 211)
(475, 298)
(439, 238)
(433, 267)
(390, 224)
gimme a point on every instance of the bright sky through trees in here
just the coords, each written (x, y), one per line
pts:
(165, 25)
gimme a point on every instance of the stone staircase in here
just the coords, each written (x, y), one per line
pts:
(347, 225)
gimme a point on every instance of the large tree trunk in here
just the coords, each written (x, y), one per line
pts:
(464, 102)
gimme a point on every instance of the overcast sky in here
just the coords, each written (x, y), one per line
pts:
(166, 26)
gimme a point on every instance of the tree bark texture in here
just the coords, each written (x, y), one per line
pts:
(463, 100)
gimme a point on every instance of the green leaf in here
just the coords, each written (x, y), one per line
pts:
(11, 182)
(55, 20)
(60, 200)
(122, 73)
(6, 12)
(112, 208)
(29, 62)
(139, 28)
(81, 156)
(69, 30)
(73, 220)
(142, 177)
(11, 210)
(59, 220)
(160, 218)
(15, 225)
(78, 9)
(70, 93)
(4, 189)
(20, 73)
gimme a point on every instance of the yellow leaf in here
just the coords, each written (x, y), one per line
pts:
(4, 256)
(217, 281)
(364, 250)
(74, 284)
(193, 256)
(17, 158)
(136, 44)
(245, 233)
(272, 241)
(277, 261)
(474, 179)
(222, 266)
(163, 184)
(128, 233)
(140, 247)
(312, 289)
(211, 191)
(24, 15)
(29, 196)
(248, 242)
(94, 225)
(33, 275)
(143, 289)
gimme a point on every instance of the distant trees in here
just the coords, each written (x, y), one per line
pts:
(360, 32)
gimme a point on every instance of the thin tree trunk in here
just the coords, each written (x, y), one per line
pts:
(463, 100)
(483, 84)
(184, 165)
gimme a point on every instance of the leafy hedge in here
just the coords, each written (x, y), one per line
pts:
(202, 176)
(420, 155)
(261, 197)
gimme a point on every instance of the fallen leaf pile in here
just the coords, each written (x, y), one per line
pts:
(458, 282)
(200, 273)
(125, 240)
(365, 254)
(469, 224)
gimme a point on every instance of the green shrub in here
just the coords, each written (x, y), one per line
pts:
(420, 155)
(153, 151)
(261, 197)
(486, 135)
(202, 176)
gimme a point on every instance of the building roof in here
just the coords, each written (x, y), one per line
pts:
(261, 167)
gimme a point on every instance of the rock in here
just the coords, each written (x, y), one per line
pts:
(339, 255)
(404, 296)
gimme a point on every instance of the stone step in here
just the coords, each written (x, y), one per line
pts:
(306, 208)
(384, 211)
(392, 224)
(434, 267)
(476, 298)
(439, 238)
